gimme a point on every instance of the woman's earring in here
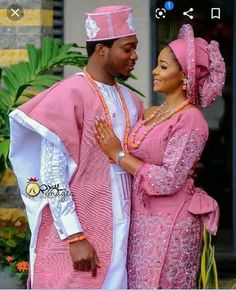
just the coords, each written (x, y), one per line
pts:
(185, 82)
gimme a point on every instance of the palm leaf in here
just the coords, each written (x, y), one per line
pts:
(11, 76)
(47, 48)
(231, 284)
(5, 99)
(33, 57)
(203, 266)
(19, 92)
(56, 48)
(129, 86)
(208, 274)
(66, 47)
(45, 81)
(4, 149)
(132, 76)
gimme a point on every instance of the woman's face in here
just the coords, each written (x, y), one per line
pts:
(168, 76)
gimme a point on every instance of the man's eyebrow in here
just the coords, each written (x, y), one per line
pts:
(131, 43)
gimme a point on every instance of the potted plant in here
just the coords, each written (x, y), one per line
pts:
(14, 246)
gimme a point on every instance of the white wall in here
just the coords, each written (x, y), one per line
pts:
(74, 31)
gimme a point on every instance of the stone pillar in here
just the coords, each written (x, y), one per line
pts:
(35, 20)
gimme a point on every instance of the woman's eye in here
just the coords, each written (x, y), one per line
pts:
(163, 67)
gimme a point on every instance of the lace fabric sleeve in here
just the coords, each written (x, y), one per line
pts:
(184, 147)
(53, 172)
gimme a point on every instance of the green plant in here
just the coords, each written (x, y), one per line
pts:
(230, 285)
(14, 247)
(208, 274)
(17, 78)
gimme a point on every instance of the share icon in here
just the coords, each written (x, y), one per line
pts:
(186, 13)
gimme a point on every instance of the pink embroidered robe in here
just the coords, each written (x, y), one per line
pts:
(68, 109)
(168, 212)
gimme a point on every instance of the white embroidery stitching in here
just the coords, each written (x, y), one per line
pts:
(91, 28)
(130, 22)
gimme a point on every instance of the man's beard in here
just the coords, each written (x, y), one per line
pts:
(110, 68)
(122, 77)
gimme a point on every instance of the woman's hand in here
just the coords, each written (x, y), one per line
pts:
(107, 139)
(111, 146)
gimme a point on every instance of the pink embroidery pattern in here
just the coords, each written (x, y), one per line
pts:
(181, 153)
(212, 87)
(182, 262)
(187, 34)
(147, 249)
(151, 254)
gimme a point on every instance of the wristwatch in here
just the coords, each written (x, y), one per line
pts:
(120, 156)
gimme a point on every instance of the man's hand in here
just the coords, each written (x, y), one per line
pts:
(84, 257)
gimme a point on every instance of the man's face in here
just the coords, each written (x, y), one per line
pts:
(121, 57)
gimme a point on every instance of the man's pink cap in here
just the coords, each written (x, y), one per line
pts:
(109, 22)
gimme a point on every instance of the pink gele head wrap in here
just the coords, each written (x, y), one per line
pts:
(202, 64)
(109, 22)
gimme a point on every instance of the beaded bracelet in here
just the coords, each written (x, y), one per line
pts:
(77, 238)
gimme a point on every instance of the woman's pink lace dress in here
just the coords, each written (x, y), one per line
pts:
(168, 212)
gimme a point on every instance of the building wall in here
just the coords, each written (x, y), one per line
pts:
(36, 22)
(74, 31)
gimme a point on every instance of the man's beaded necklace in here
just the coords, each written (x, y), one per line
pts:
(106, 110)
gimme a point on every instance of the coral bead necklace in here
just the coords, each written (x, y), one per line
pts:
(105, 107)
(160, 117)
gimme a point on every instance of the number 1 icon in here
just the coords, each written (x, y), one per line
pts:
(169, 5)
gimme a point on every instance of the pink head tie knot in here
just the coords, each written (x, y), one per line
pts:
(109, 22)
(202, 64)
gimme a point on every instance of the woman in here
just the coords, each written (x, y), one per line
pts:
(168, 212)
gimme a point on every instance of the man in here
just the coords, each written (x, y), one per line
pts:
(79, 240)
